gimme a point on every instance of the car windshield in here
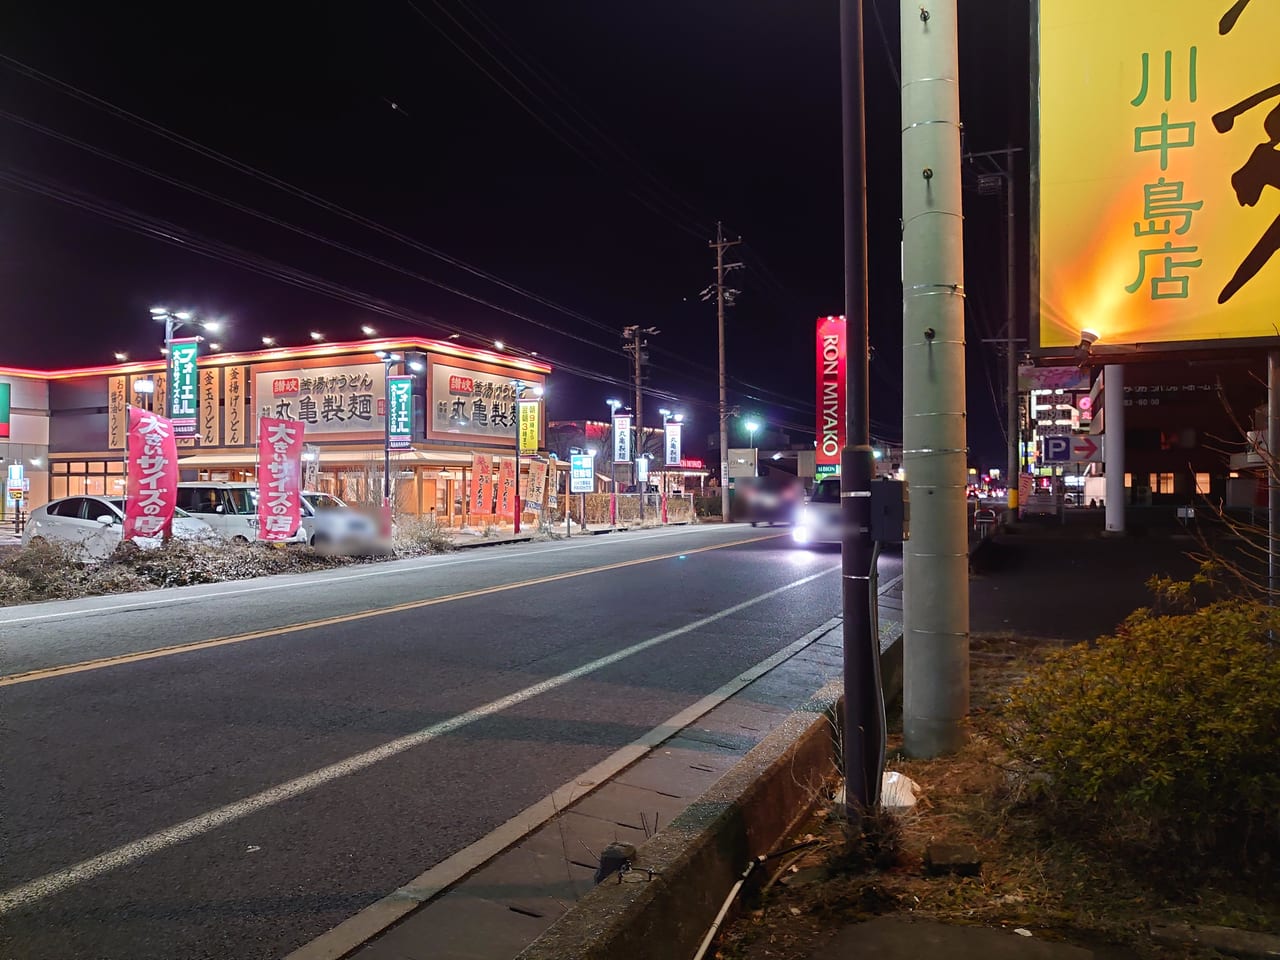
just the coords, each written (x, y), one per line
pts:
(321, 502)
(118, 503)
(828, 491)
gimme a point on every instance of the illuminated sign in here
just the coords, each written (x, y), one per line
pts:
(400, 416)
(5, 391)
(671, 442)
(474, 401)
(330, 399)
(462, 384)
(285, 386)
(1157, 200)
(529, 410)
(622, 437)
(184, 398)
(831, 359)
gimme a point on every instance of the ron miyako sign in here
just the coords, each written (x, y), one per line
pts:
(400, 414)
(184, 400)
(831, 360)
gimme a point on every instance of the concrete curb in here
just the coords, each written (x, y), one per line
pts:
(698, 857)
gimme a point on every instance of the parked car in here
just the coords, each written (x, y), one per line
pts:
(94, 526)
(230, 507)
(331, 524)
(818, 520)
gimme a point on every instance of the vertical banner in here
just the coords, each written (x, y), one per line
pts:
(183, 405)
(152, 481)
(481, 484)
(832, 348)
(529, 411)
(535, 493)
(621, 438)
(400, 422)
(210, 407)
(671, 442)
(279, 478)
(117, 412)
(4, 411)
(237, 384)
(507, 488)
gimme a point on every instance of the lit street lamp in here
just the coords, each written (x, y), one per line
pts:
(751, 427)
(388, 360)
(614, 405)
(175, 320)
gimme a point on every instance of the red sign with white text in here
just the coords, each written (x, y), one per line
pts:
(462, 384)
(832, 347)
(151, 490)
(481, 484)
(286, 386)
(507, 488)
(279, 478)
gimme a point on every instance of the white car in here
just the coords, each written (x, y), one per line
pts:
(818, 521)
(94, 526)
(330, 523)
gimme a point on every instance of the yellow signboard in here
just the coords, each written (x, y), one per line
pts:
(1158, 193)
(528, 433)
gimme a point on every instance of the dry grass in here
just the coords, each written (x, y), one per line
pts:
(1053, 886)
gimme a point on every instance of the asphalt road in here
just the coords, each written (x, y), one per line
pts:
(346, 730)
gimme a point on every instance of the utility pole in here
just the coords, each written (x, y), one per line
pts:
(635, 346)
(862, 710)
(724, 297)
(935, 452)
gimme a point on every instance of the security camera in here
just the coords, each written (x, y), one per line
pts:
(1088, 338)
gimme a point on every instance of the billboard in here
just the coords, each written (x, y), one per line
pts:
(342, 398)
(400, 416)
(1155, 192)
(671, 442)
(474, 401)
(831, 350)
(621, 437)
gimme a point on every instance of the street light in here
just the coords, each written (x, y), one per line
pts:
(388, 360)
(268, 341)
(751, 427)
(614, 405)
(175, 320)
(368, 331)
(121, 356)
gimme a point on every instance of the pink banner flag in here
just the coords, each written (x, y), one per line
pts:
(507, 488)
(481, 484)
(151, 490)
(279, 478)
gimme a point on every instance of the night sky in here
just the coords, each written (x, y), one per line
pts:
(637, 127)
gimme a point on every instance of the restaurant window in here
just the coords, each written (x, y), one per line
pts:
(1128, 480)
(1202, 484)
(1164, 483)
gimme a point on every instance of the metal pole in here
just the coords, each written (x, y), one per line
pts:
(1113, 438)
(861, 699)
(724, 396)
(1014, 465)
(1273, 474)
(935, 559)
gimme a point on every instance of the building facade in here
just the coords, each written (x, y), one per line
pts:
(67, 427)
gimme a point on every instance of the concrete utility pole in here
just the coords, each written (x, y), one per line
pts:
(635, 345)
(723, 296)
(862, 711)
(935, 559)
(1113, 436)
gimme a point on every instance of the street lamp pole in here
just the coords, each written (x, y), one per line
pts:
(613, 463)
(388, 359)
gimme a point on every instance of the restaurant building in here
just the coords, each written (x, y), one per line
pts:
(67, 427)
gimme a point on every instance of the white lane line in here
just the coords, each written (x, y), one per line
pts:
(430, 564)
(59, 880)
(378, 916)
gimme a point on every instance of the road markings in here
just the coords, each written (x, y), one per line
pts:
(47, 673)
(347, 936)
(188, 595)
(129, 853)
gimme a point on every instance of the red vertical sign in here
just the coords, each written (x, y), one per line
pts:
(152, 484)
(507, 488)
(279, 478)
(832, 347)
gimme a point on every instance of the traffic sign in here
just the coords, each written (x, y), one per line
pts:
(1070, 449)
(1085, 450)
(582, 469)
(1056, 449)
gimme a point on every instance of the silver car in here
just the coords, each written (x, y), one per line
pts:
(92, 527)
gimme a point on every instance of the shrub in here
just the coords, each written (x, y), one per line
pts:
(416, 537)
(50, 570)
(1162, 737)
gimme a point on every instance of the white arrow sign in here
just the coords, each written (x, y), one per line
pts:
(1085, 450)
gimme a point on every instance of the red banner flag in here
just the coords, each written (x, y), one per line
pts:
(279, 478)
(507, 488)
(481, 483)
(151, 489)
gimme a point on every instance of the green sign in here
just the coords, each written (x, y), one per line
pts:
(4, 411)
(184, 400)
(826, 469)
(400, 411)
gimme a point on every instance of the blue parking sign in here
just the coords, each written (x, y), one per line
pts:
(1057, 449)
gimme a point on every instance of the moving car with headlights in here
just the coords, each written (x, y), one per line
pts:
(770, 499)
(92, 527)
(818, 520)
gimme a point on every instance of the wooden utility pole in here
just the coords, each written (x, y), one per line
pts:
(722, 295)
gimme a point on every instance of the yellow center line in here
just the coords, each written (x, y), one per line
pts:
(83, 666)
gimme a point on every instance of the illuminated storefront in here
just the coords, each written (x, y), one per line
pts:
(463, 403)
